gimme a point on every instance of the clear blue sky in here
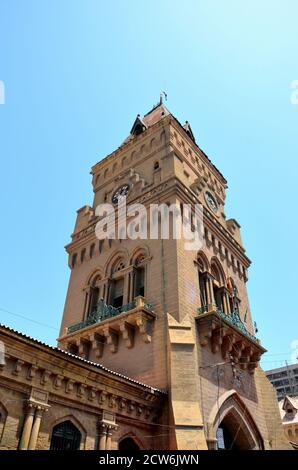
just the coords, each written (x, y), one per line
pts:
(77, 72)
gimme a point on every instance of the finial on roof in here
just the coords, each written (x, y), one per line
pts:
(163, 95)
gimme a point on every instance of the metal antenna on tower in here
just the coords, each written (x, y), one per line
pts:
(163, 94)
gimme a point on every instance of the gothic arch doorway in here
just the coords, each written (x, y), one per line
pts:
(128, 444)
(232, 434)
(65, 436)
(231, 426)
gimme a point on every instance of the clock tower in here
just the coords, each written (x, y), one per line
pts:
(172, 318)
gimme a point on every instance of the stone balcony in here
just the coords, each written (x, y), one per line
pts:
(229, 335)
(105, 326)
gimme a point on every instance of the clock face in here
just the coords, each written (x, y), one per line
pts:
(211, 201)
(120, 193)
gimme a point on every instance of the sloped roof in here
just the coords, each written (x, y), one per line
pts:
(284, 404)
(157, 113)
(66, 353)
(152, 117)
(293, 401)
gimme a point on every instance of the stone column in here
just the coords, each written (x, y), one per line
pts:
(35, 429)
(27, 428)
(109, 438)
(211, 300)
(227, 303)
(102, 436)
(109, 435)
(126, 288)
(105, 290)
(106, 425)
(225, 300)
(131, 285)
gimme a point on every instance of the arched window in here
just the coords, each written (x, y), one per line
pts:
(116, 293)
(93, 295)
(216, 286)
(83, 253)
(232, 299)
(156, 165)
(139, 274)
(203, 268)
(117, 290)
(140, 281)
(74, 260)
(65, 436)
(128, 444)
(92, 249)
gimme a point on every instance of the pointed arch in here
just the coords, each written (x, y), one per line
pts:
(116, 257)
(65, 436)
(95, 276)
(75, 422)
(202, 261)
(231, 411)
(216, 266)
(131, 436)
(139, 252)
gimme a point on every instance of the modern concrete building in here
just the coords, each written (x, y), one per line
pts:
(284, 380)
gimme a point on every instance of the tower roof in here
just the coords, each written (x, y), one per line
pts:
(156, 114)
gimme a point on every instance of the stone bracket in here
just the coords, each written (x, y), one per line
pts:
(112, 338)
(128, 332)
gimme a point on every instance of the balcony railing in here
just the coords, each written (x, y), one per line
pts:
(103, 312)
(232, 318)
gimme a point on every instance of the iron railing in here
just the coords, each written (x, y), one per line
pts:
(103, 312)
(232, 318)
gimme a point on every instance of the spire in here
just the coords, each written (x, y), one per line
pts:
(163, 95)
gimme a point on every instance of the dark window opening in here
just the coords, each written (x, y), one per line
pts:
(83, 253)
(225, 439)
(74, 260)
(140, 282)
(203, 289)
(94, 295)
(92, 248)
(65, 436)
(128, 444)
(117, 293)
(217, 297)
(138, 129)
(73, 349)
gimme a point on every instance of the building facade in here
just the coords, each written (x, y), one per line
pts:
(174, 324)
(284, 380)
(289, 415)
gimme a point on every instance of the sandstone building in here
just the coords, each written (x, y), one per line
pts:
(288, 407)
(157, 348)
